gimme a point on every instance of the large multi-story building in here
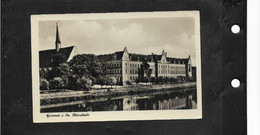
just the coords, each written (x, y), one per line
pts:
(124, 65)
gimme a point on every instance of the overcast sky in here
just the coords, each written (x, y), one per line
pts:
(142, 36)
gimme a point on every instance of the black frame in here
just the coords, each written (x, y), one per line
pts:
(223, 57)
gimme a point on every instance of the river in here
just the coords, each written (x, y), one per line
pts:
(153, 101)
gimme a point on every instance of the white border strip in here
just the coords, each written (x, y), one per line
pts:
(253, 68)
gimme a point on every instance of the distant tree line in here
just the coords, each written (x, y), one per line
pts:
(80, 73)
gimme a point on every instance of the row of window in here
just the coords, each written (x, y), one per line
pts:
(133, 65)
(172, 67)
(113, 65)
(118, 65)
(136, 71)
(133, 78)
(133, 71)
(118, 71)
(114, 71)
(177, 72)
(172, 72)
(178, 62)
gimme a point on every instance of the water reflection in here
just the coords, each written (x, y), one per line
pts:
(155, 101)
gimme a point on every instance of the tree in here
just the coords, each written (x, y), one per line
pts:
(113, 81)
(137, 80)
(172, 80)
(44, 84)
(57, 83)
(62, 71)
(160, 79)
(58, 71)
(152, 80)
(128, 83)
(86, 65)
(144, 72)
(146, 80)
(84, 83)
(44, 73)
(166, 79)
(102, 80)
(72, 82)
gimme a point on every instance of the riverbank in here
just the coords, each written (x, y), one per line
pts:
(66, 96)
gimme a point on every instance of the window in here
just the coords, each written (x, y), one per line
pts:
(126, 71)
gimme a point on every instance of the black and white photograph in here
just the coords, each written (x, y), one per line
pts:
(116, 66)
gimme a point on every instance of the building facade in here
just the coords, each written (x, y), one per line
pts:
(124, 65)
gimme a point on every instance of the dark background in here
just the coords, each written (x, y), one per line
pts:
(223, 56)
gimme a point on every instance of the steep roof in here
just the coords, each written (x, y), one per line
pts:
(47, 55)
(178, 60)
(114, 56)
(140, 57)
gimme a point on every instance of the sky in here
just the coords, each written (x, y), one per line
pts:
(142, 36)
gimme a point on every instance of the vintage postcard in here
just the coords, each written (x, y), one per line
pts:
(116, 66)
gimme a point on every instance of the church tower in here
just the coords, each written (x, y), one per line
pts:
(164, 57)
(57, 42)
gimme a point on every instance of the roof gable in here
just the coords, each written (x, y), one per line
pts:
(46, 56)
(108, 57)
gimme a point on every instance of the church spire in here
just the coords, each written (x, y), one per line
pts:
(125, 49)
(57, 42)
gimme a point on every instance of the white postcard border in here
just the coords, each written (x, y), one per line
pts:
(39, 117)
